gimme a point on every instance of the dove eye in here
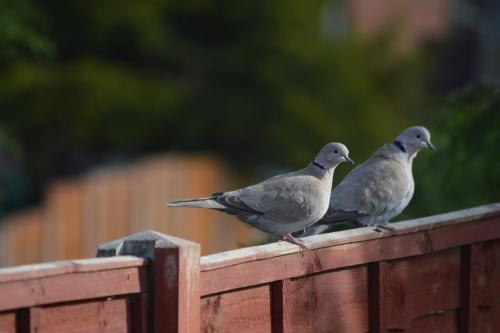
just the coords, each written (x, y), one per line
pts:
(336, 151)
(418, 136)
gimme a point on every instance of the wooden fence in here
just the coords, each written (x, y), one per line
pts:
(435, 274)
(92, 295)
(78, 214)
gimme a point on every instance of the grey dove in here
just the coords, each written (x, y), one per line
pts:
(378, 189)
(283, 204)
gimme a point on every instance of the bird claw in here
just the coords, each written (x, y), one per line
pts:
(290, 239)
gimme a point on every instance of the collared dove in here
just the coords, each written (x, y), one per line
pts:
(285, 203)
(380, 188)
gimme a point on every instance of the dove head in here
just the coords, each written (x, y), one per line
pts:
(413, 139)
(331, 155)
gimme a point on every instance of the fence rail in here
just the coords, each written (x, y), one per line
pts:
(93, 294)
(435, 274)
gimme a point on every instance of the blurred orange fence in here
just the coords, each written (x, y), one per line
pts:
(110, 202)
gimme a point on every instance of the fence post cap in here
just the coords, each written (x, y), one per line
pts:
(142, 244)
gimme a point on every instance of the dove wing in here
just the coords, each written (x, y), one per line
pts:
(288, 198)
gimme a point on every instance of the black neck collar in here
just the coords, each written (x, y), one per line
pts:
(400, 146)
(317, 164)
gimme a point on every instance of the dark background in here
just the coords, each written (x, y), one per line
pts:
(263, 84)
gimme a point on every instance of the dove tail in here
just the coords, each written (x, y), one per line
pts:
(197, 203)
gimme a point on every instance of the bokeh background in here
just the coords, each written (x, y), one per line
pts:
(109, 109)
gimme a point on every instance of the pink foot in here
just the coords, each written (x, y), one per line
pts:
(290, 239)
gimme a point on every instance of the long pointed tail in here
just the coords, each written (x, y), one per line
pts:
(197, 203)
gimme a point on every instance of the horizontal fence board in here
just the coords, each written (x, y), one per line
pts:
(275, 268)
(71, 287)
(247, 310)
(335, 301)
(422, 286)
(235, 257)
(8, 322)
(105, 316)
(28, 272)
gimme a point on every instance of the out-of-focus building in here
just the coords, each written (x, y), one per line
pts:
(463, 34)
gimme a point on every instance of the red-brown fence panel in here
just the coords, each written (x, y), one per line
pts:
(92, 295)
(8, 322)
(96, 316)
(245, 310)
(333, 301)
(484, 284)
(435, 274)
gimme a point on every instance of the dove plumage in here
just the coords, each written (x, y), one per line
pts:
(378, 189)
(285, 203)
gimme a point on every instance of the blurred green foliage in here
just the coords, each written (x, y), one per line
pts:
(465, 170)
(257, 82)
(21, 31)
(246, 79)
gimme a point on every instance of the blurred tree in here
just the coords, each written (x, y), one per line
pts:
(22, 37)
(13, 181)
(258, 82)
(465, 170)
(22, 26)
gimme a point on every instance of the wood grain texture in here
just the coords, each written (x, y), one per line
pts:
(446, 322)
(8, 322)
(71, 287)
(316, 260)
(107, 316)
(247, 310)
(484, 291)
(422, 286)
(334, 301)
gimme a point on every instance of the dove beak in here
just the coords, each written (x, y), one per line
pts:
(430, 146)
(347, 159)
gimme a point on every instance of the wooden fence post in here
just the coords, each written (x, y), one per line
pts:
(174, 278)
